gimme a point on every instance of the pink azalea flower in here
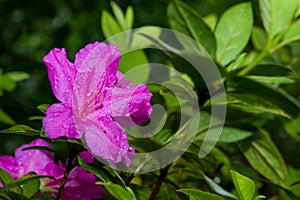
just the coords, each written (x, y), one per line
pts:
(95, 101)
(80, 183)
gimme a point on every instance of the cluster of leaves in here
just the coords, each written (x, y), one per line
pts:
(259, 64)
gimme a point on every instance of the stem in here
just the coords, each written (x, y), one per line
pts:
(71, 163)
(162, 176)
(62, 184)
(251, 66)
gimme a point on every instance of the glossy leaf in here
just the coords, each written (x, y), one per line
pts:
(184, 19)
(263, 155)
(259, 38)
(293, 33)
(245, 186)
(135, 66)
(233, 32)
(139, 41)
(218, 189)
(21, 130)
(276, 14)
(243, 85)
(230, 135)
(120, 192)
(199, 195)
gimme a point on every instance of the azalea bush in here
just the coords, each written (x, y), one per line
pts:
(204, 105)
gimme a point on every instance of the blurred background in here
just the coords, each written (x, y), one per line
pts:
(30, 29)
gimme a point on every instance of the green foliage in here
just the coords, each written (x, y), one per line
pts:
(256, 48)
(232, 32)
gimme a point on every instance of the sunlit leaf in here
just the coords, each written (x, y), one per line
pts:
(293, 33)
(259, 38)
(119, 192)
(118, 14)
(233, 32)
(276, 14)
(218, 189)
(245, 186)
(263, 155)
(199, 195)
(184, 19)
(243, 85)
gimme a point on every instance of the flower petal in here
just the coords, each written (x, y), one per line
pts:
(36, 160)
(105, 139)
(61, 73)
(130, 105)
(86, 156)
(59, 122)
(10, 165)
(97, 65)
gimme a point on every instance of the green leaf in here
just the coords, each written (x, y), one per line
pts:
(18, 76)
(184, 19)
(134, 65)
(230, 135)
(129, 18)
(119, 192)
(43, 107)
(118, 14)
(31, 187)
(277, 14)
(293, 33)
(139, 41)
(270, 69)
(17, 196)
(245, 186)
(253, 104)
(5, 178)
(5, 118)
(259, 38)
(23, 180)
(110, 28)
(102, 173)
(199, 195)
(243, 85)
(259, 197)
(233, 32)
(7, 83)
(211, 21)
(44, 197)
(218, 189)
(263, 155)
(293, 128)
(21, 130)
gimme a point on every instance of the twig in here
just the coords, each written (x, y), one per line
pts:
(162, 176)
